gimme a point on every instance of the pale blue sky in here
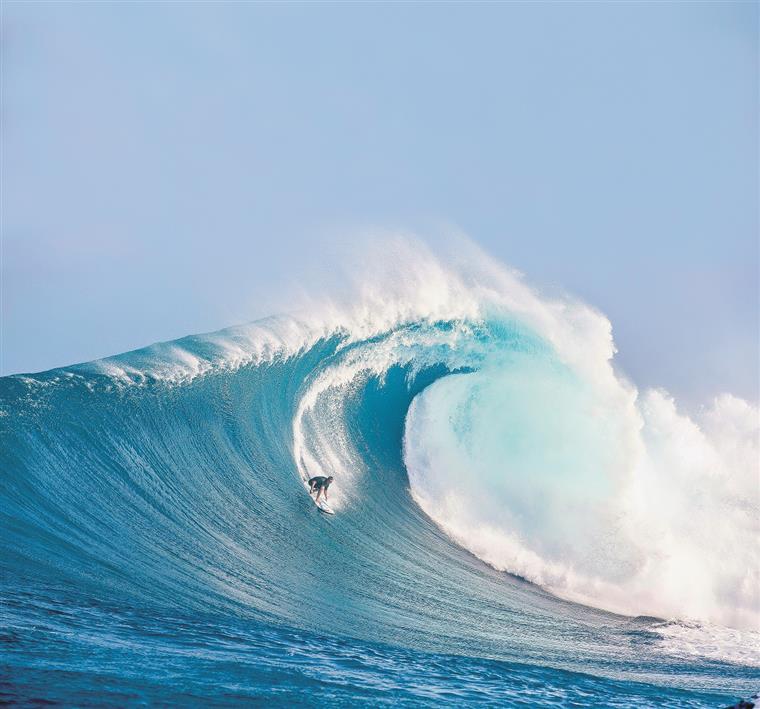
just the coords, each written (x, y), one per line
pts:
(166, 165)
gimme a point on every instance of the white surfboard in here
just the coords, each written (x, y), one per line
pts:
(322, 506)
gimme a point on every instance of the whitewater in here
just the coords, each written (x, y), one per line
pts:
(516, 522)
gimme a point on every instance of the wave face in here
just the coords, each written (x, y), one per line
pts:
(501, 492)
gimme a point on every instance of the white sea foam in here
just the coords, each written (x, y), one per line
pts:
(688, 640)
(642, 515)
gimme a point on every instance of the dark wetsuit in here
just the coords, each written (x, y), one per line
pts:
(318, 483)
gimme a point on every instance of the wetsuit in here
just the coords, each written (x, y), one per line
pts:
(318, 483)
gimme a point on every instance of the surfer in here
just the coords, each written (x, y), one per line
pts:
(319, 483)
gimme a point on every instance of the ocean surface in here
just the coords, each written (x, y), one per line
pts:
(516, 523)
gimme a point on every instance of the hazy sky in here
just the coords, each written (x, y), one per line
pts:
(167, 165)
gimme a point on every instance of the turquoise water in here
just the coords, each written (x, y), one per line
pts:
(159, 544)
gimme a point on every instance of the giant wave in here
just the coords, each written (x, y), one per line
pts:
(474, 427)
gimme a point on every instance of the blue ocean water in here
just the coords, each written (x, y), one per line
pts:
(159, 544)
(60, 648)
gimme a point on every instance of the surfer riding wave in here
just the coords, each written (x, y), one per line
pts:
(319, 483)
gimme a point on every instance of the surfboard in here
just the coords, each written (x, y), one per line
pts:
(324, 507)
